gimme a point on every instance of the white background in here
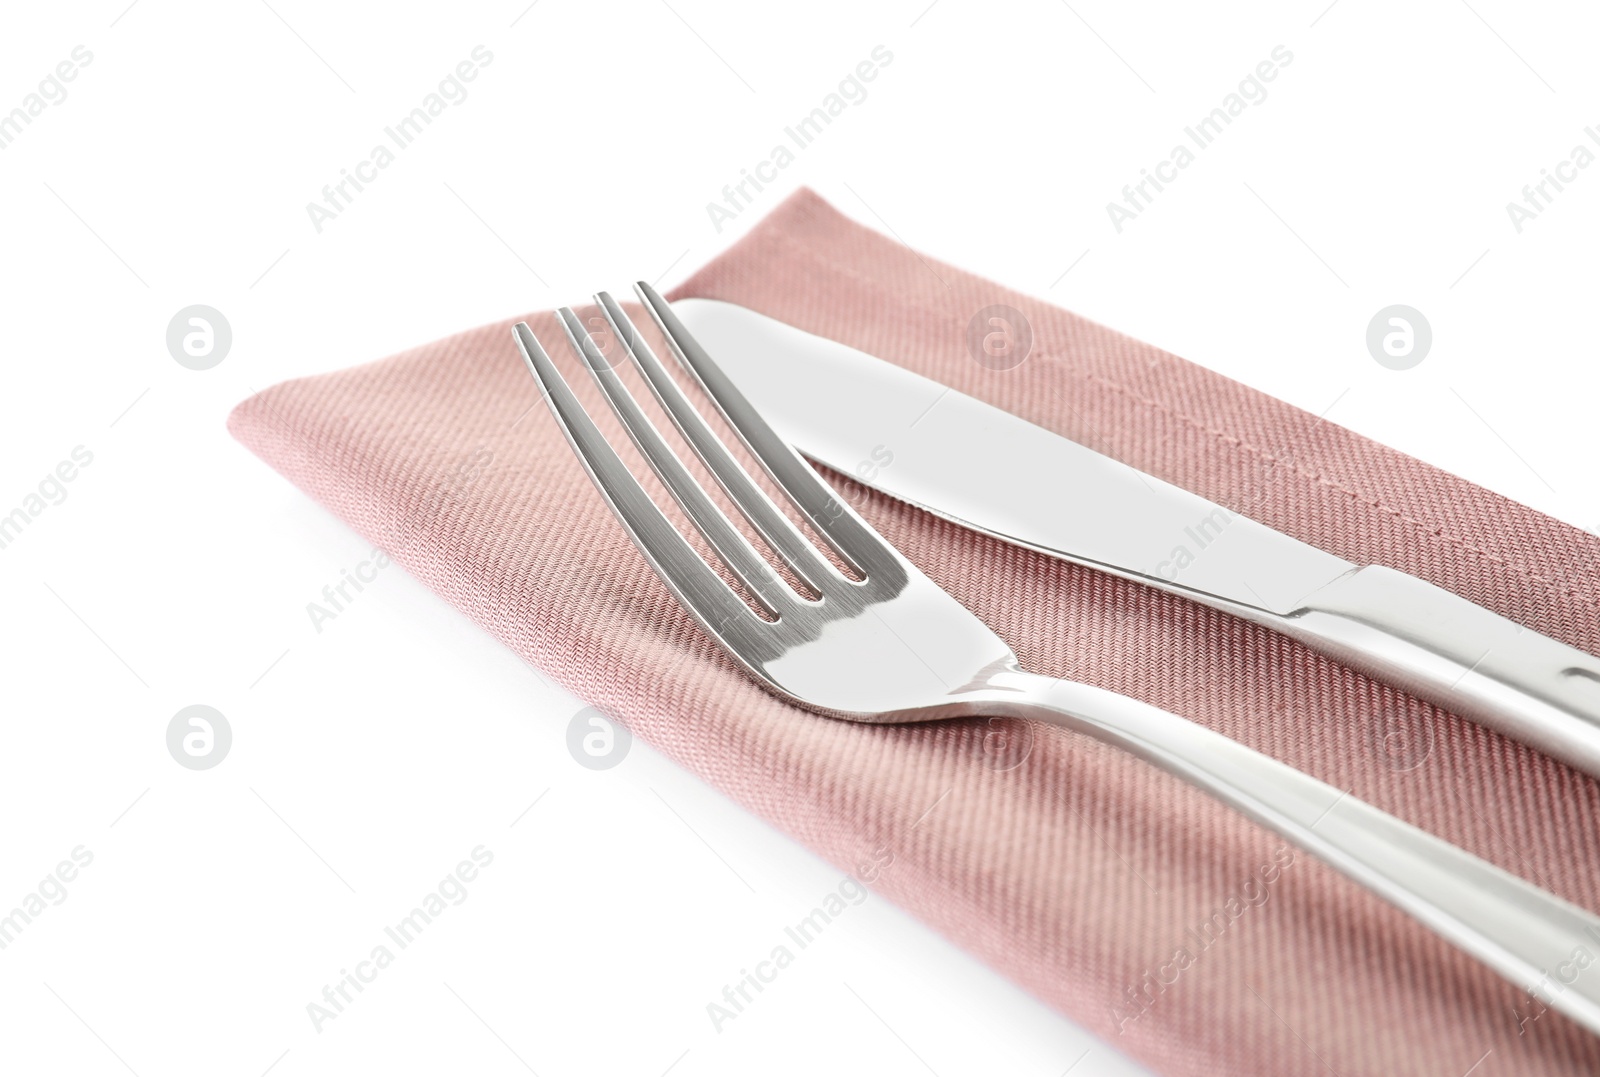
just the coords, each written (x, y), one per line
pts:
(370, 758)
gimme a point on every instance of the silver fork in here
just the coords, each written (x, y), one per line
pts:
(893, 646)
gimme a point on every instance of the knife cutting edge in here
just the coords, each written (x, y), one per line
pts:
(979, 466)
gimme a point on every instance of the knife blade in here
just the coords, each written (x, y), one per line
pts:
(984, 468)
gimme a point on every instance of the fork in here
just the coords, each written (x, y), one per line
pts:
(891, 646)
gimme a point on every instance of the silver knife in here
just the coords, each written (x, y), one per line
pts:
(979, 466)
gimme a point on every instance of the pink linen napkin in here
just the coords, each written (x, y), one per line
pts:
(1185, 935)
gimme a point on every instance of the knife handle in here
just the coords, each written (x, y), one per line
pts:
(1536, 940)
(1469, 660)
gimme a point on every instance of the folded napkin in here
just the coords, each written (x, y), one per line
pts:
(1192, 939)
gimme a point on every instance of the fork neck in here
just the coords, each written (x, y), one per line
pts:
(1147, 731)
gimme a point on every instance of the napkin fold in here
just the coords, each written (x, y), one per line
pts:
(1190, 938)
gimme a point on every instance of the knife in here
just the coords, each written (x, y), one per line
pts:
(977, 465)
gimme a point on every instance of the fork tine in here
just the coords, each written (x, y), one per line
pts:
(849, 535)
(734, 549)
(781, 534)
(705, 594)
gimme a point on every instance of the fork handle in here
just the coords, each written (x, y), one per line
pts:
(1539, 942)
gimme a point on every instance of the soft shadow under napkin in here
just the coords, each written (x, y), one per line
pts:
(1180, 932)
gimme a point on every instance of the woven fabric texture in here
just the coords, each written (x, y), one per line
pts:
(1191, 939)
